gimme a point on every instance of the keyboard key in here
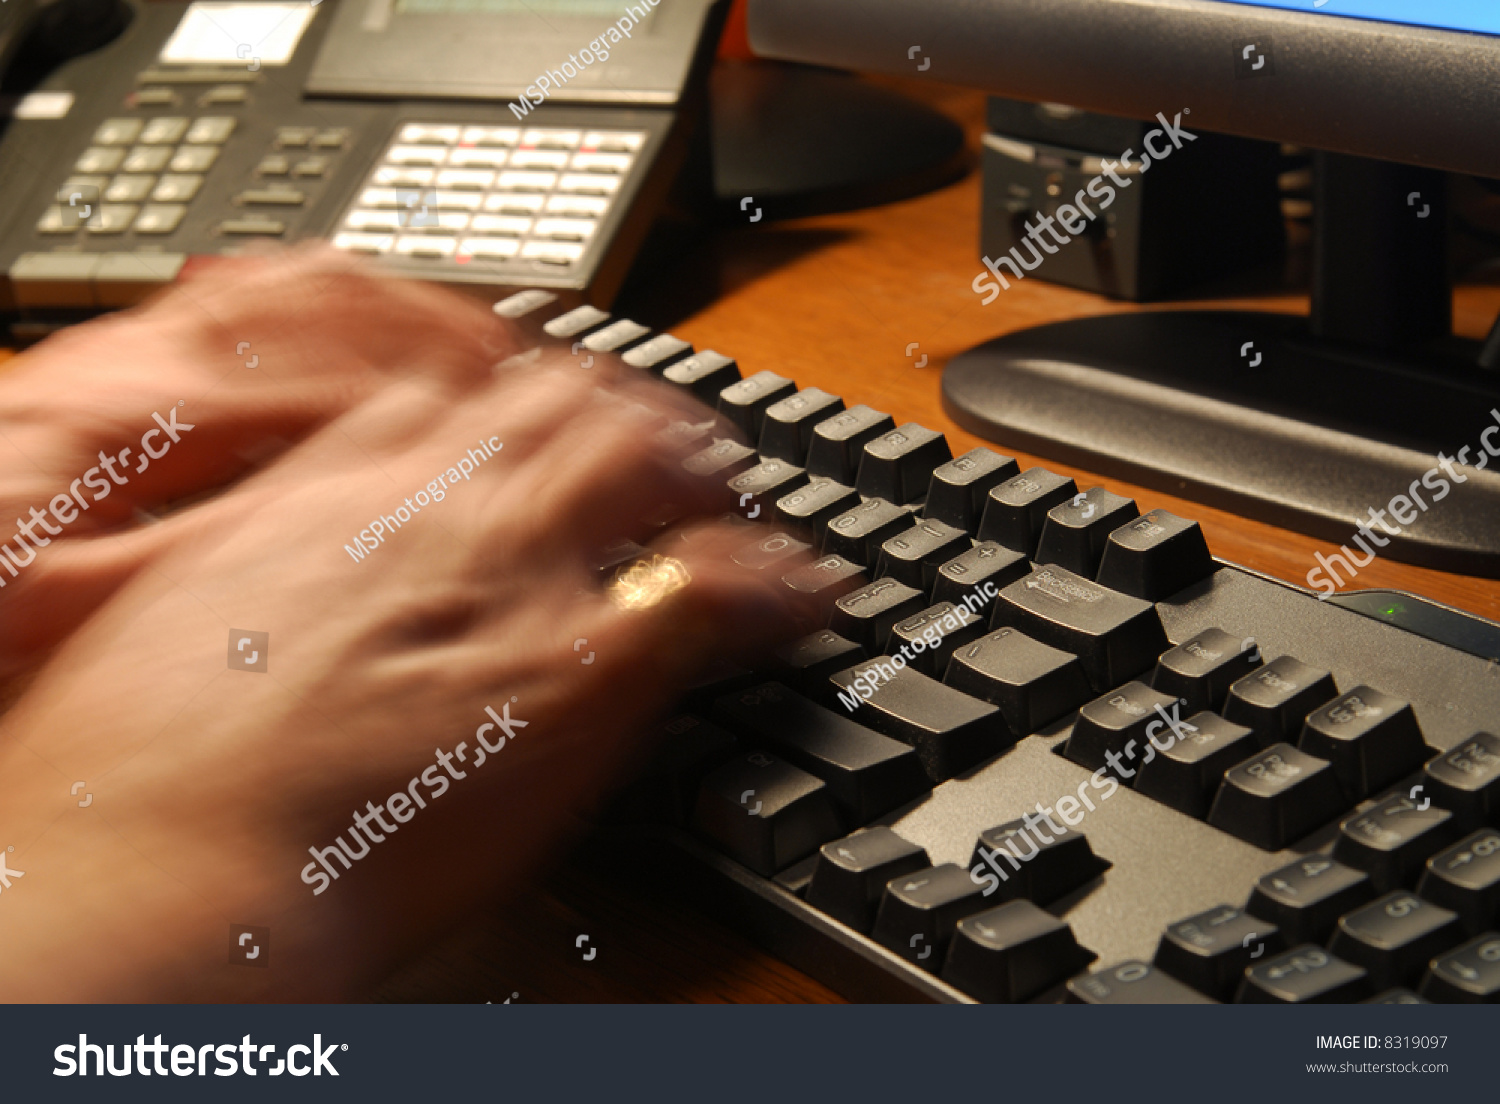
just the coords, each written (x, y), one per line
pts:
(1201, 670)
(786, 431)
(1210, 951)
(828, 577)
(1114, 636)
(867, 774)
(914, 555)
(1466, 879)
(838, 442)
(769, 552)
(1132, 983)
(898, 465)
(744, 403)
(1306, 898)
(960, 487)
(920, 910)
(723, 459)
(1397, 996)
(1012, 953)
(808, 511)
(764, 813)
(859, 533)
(928, 638)
(1110, 731)
(1274, 699)
(705, 374)
(1303, 975)
(1016, 510)
(766, 482)
(1391, 840)
(1036, 858)
(1394, 937)
(1466, 975)
(1372, 739)
(660, 351)
(1276, 797)
(1155, 556)
(868, 614)
(951, 731)
(852, 874)
(688, 437)
(1199, 750)
(664, 790)
(1075, 532)
(1466, 780)
(979, 574)
(809, 663)
(1033, 684)
(619, 335)
(577, 322)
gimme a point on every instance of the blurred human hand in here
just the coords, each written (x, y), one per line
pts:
(259, 351)
(210, 785)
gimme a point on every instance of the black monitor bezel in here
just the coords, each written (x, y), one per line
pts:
(1402, 93)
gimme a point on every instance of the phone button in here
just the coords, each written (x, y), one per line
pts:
(253, 224)
(224, 94)
(117, 132)
(159, 218)
(147, 159)
(194, 159)
(99, 159)
(276, 197)
(129, 188)
(175, 188)
(273, 165)
(210, 130)
(294, 137)
(113, 218)
(165, 130)
(152, 97)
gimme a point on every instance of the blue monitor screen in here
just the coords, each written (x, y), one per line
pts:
(1453, 15)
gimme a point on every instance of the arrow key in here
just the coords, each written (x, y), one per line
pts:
(1466, 879)
(920, 910)
(1391, 839)
(1012, 953)
(852, 874)
(764, 813)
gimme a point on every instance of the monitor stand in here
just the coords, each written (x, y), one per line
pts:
(1306, 423)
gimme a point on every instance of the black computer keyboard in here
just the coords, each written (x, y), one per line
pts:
(1047, 747)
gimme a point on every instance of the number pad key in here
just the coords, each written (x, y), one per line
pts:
(1392, 839)
(1466, 879)
(1304, 975)
(1394, 936)
(1132, 983)
(1211, 950)
(1466, 975)
(1306, 898)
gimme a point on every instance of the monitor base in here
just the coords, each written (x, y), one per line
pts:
(1310, 436)
(792, 140)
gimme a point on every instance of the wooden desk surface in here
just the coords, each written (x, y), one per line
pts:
(831, 301)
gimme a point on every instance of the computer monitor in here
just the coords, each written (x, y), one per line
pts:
(1339, 410)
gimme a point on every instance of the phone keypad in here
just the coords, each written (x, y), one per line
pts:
(119, 172)
(530, 199)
